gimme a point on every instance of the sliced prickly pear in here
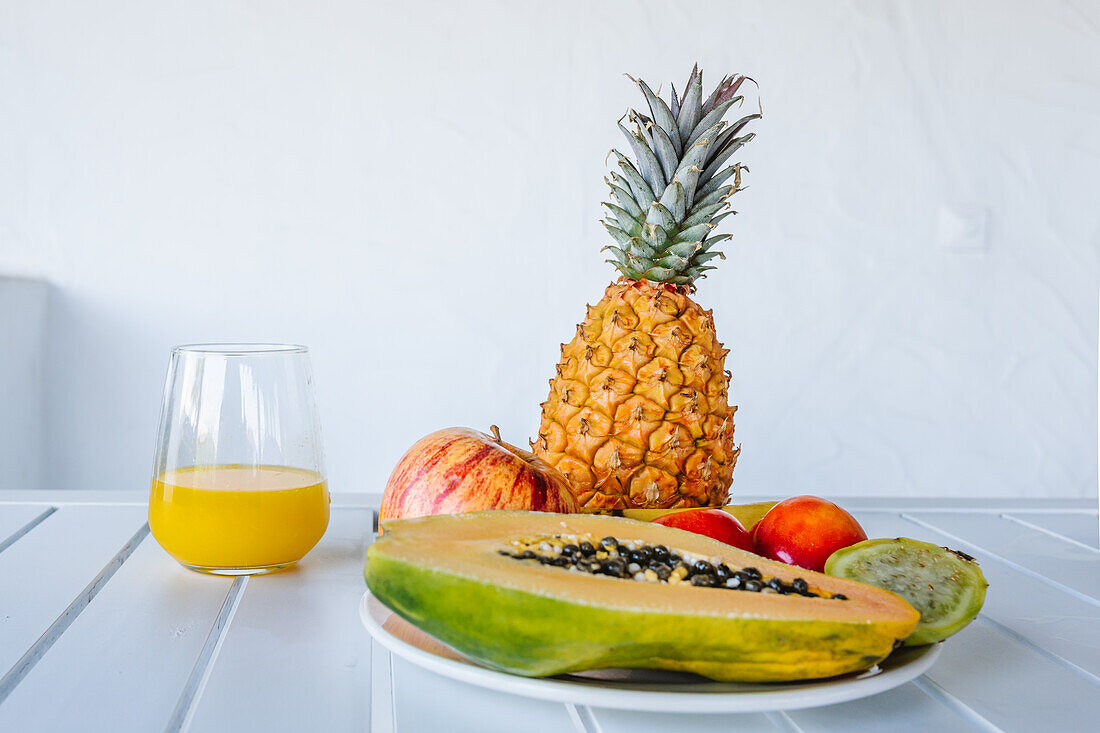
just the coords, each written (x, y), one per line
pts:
(945, 585)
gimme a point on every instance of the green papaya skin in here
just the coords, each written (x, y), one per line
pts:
(946, 586)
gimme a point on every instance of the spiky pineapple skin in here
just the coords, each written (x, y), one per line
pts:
(638, 414)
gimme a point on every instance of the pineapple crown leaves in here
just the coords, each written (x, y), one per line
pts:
(667, 200)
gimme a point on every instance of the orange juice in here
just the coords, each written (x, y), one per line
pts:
(238, 516)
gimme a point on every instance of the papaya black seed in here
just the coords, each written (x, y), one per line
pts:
(646, 553)
(663, 571)
(753, 585)
(614, 567)
(702, 580)
(587, 549)
(722, 572)
(609, 543)
(839, 597)
(800, 585)
(752, 573)
(674, 559)
(660, 553)
(635, 556)
(570, 550)
(777, 584)
(702, 567)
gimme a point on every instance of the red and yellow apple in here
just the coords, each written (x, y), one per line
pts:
(714, 523)
(458, 470)
(804, 531)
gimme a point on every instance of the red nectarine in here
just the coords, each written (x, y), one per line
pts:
(804, 531)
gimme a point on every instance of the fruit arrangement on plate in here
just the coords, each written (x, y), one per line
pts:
(611, 543)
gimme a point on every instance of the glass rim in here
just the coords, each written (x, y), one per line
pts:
(240, 349)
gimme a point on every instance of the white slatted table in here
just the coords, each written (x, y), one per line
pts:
(101, 630)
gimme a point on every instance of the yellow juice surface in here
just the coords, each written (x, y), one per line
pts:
(238, 516)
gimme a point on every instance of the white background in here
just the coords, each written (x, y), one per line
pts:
(412, 189)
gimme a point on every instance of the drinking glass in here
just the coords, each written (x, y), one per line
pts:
(238, 477)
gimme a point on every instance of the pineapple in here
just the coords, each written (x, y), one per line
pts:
(638, 414)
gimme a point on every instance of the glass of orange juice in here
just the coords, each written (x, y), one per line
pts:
(238, 477)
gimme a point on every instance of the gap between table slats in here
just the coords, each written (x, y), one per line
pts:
(17, 534)
(26, 663)
(783, 722)
(383, 707)
(929, 687)
(582, 718)
(1060, 661)
(204, 664)
(1050, 533)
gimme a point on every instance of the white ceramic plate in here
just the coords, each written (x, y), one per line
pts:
(638, 689)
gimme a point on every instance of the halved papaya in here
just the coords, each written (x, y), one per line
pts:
(538, 594)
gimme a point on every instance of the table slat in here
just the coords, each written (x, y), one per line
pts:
(1065, 563)
(901, 710)
(429, 703)
(131, 650)
(1082, 528)
(904, 709)
(46, 569)
(1011, 685)
(629, 721)
(296, 656)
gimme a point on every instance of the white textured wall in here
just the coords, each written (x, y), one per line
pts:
(412, 189)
